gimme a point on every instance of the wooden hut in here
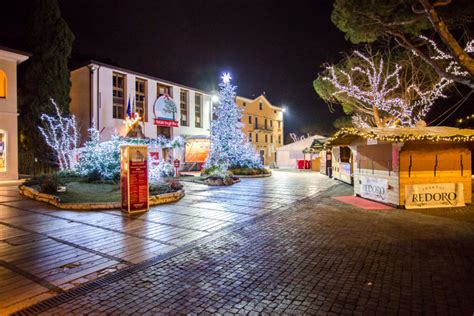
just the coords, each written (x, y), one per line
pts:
(412, 167)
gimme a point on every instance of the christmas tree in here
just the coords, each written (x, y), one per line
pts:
(229, 146)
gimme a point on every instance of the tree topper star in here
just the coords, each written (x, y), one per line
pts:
(226, 77)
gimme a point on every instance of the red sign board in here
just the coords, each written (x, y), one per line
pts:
(134, 178)
(176, 163)
(166, 123)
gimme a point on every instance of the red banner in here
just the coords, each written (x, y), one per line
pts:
(166, 123)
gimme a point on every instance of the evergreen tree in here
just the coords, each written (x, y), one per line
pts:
(45, 75)
(229, 146)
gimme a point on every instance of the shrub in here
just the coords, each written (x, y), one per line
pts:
(160, 187)
(249, 171)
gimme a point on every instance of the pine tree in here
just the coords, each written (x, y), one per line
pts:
(229, 146)
(45, 75)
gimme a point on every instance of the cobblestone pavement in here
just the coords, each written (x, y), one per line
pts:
(45, 251)
(318, 257)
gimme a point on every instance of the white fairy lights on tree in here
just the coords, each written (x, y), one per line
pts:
(229, 147)
(60, 133)
(378, 94)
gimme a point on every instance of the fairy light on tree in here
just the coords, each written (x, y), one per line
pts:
(229, 146)
(60, 133)
(375, 89)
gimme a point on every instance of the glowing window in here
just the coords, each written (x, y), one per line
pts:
(3, 85)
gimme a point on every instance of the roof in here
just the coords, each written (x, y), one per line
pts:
(94, 62)
(13, 54)
(301, 144)
(403, 134)
(264, 98)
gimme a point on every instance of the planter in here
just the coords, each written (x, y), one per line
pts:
(54, 200)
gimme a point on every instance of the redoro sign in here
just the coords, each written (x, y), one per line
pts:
(434, 195)
(374, 188)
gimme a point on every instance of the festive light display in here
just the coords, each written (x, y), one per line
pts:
(398, 136)
(229, 146)
(60, 133)
(381, 95)
(101, 160)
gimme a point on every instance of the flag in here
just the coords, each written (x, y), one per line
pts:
(129, 108)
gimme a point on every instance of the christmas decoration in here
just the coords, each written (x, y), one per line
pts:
(60, 133)
(229, 146)
(379, 93)
(400, 135)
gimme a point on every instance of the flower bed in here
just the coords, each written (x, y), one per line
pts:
(81, 194)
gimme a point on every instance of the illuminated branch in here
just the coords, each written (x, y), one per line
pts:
(60, 133)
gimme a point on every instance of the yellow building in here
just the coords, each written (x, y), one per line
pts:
(263, 125)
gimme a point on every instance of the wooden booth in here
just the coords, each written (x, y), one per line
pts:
(412, 167)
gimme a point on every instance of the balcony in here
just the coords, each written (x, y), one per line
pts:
(262, 128)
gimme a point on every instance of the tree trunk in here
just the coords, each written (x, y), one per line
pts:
(441, 28)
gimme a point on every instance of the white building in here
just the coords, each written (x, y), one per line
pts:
(287, 155)
(100, 94)
(9, 60)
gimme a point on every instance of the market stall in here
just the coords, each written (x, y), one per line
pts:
(412, 167)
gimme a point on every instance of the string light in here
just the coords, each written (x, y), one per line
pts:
(60, 133)
(381, 93)
(375, 135)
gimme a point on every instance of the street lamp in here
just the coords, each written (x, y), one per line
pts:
(214, 98)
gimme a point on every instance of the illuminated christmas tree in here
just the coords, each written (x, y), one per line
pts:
(229, 146)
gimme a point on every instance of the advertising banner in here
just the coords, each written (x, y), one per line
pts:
(134, 177)
(165, 112)
(434, 195)
(374, 188)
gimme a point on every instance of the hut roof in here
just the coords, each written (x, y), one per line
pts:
(402, 134)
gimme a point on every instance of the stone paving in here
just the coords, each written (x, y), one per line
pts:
(45, 251)
(316, 257)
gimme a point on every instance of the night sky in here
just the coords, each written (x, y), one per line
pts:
(272, 46)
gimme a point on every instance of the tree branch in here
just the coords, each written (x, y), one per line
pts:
(441, 28)
(403, 41)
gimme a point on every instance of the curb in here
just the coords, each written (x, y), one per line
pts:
(54, 200)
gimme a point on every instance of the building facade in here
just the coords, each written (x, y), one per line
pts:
(100, 94)
(263, 125)
(9, 60)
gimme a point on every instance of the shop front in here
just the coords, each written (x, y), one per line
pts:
(9, 59)
(425, 167)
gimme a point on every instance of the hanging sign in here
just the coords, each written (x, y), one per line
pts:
(134, 178)
(371, 141)
(374, 188)
(165, 111)
(434, 195)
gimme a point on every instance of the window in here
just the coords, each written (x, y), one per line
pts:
(266, 138)
(279, 139)
(256, 137)
(140, 98)
(265, 123)
(3, 85)
(250, 119)
(198, 109)
(279, 126)
(183, 106)
(256, 123)
(271, 139)
(118, 92)
(244, 104)
(250, 137)
(260, 106)
(271, 123)
(162, 89)
(3, 152)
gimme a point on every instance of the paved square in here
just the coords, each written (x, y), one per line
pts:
(45, 251)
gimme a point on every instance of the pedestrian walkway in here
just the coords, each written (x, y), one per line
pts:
(317, 257)
(45, 251)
